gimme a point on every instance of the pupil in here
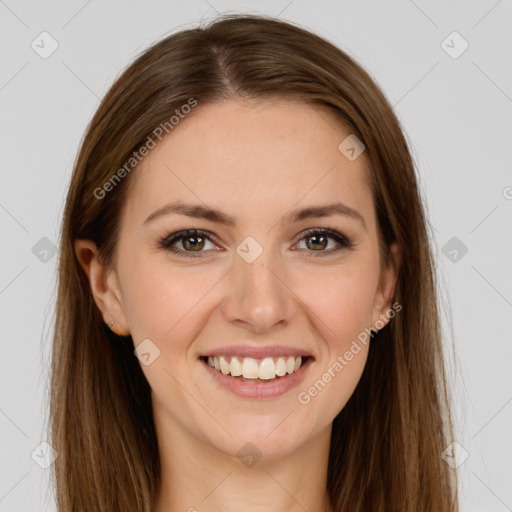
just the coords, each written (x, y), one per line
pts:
(318, 237)
(193, 246)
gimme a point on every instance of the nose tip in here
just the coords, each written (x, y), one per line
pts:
(256, 297)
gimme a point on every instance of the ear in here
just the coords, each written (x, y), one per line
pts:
(386, 286)
(104, 286)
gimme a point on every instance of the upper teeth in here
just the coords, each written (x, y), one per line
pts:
(249, 368)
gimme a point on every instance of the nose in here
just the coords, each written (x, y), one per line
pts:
(258, 297)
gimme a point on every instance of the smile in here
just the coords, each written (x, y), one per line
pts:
(265, 378)
(244, 368)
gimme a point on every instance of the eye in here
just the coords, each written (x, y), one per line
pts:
(317, 240)
(192, 241)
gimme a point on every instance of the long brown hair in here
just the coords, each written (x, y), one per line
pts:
(387, 441)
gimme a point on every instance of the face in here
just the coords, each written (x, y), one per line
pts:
(265, 275)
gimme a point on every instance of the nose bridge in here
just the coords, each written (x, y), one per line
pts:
(257, 296)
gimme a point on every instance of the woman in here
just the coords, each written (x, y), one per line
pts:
(247, 314)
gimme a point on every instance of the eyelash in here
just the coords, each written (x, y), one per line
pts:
(167, 241)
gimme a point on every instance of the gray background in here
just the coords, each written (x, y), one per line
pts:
(457, 114)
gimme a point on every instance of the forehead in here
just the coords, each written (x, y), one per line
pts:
(239, 155)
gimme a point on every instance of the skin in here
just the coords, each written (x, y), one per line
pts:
(255, 162)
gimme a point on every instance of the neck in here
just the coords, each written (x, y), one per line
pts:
(197, 477)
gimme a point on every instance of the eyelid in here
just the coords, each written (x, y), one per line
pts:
(331, 232)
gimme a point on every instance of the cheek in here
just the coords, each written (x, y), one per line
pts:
(341, 301)
(169, 303)
(164, 302)
(340, 314)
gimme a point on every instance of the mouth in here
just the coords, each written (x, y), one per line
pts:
(257, 371)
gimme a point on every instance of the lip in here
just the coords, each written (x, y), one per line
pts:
(257, 351)
(259, 390)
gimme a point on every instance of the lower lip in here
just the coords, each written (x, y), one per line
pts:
(270, 389)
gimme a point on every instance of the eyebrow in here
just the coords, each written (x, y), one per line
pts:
(204, 212)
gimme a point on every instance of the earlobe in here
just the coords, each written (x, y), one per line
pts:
(103, 286)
